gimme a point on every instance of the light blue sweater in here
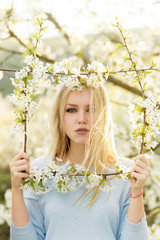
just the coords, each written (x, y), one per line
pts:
(52, 216)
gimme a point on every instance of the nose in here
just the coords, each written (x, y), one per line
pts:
(82, 118)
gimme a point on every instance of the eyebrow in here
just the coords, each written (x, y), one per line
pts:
(74, 105)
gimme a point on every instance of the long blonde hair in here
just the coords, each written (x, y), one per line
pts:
(100, 150)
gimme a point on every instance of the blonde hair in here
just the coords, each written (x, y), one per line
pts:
(100, 150)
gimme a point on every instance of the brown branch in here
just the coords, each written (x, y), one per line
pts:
(154, 149)
(153, 214)
(118, 103)
(9, 70)
(137, 70)
(58, 26)
(42, 57)
(99, 174)
(153, 209)
(10, 50)
(123, 85)
(111, 79)
(139, 81)
(25, 92)
(130, 57)
(12, 34)
(25, 124)
(80, 54)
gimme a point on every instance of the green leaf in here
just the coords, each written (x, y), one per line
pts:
(121, 66)
(40, 184)
(25, 182)
(33, 95)
(39, 20)
(32, 186)
(144, 85)
(26, 53)
(128, 175)
(30, 47)
(113, 25)
(120, 26)
(132, 74)
(44, 29)
(83, 172)
(133, 66)
(148, 72)
(35, 35)
(22, 62)
(126, 58)
(87, 180)
(102, 183)
(134, 54)
(16, 91)
(153, 64)
(134, 81)
(117, 75)
(34, 53)
(138, 108)
(120, 45)
(117, 168)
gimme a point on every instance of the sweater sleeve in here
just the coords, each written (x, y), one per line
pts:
(34, 229)
(128, 230)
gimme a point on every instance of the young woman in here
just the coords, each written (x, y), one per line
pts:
(81, 130)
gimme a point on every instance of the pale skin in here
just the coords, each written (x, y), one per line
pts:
(76, 116)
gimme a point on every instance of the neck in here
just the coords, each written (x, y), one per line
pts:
(76, 153)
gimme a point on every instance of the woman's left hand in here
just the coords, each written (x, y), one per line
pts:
(139, 173)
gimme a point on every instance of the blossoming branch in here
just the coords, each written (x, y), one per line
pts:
(34, 76)
(70, 177)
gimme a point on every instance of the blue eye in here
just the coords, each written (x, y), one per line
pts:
(71, 110)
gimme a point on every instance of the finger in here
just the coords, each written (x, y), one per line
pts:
(18, 176)
(137, 169)
(142, 165)
(20, 156)
(22, 175)
(138, 176)
(19, 162)
(143, 158)
(22, 168)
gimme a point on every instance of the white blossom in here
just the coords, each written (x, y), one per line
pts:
(77, 81)
(63, 178)
(125, 175)
(27, 86)
(150, 130)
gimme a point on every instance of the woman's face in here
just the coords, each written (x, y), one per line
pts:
(77, 119)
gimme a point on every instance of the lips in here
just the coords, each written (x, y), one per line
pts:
(82, 131)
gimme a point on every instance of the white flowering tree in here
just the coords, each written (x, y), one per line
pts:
(144, 111)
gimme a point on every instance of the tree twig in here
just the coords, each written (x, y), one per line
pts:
(99, 174)
(80, 54)
(111, 79)
(139, 80)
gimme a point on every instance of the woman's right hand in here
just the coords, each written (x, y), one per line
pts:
(19, 168)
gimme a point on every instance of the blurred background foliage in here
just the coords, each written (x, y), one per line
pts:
(80, 31)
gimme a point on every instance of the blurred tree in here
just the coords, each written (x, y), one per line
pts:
(81, 32)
